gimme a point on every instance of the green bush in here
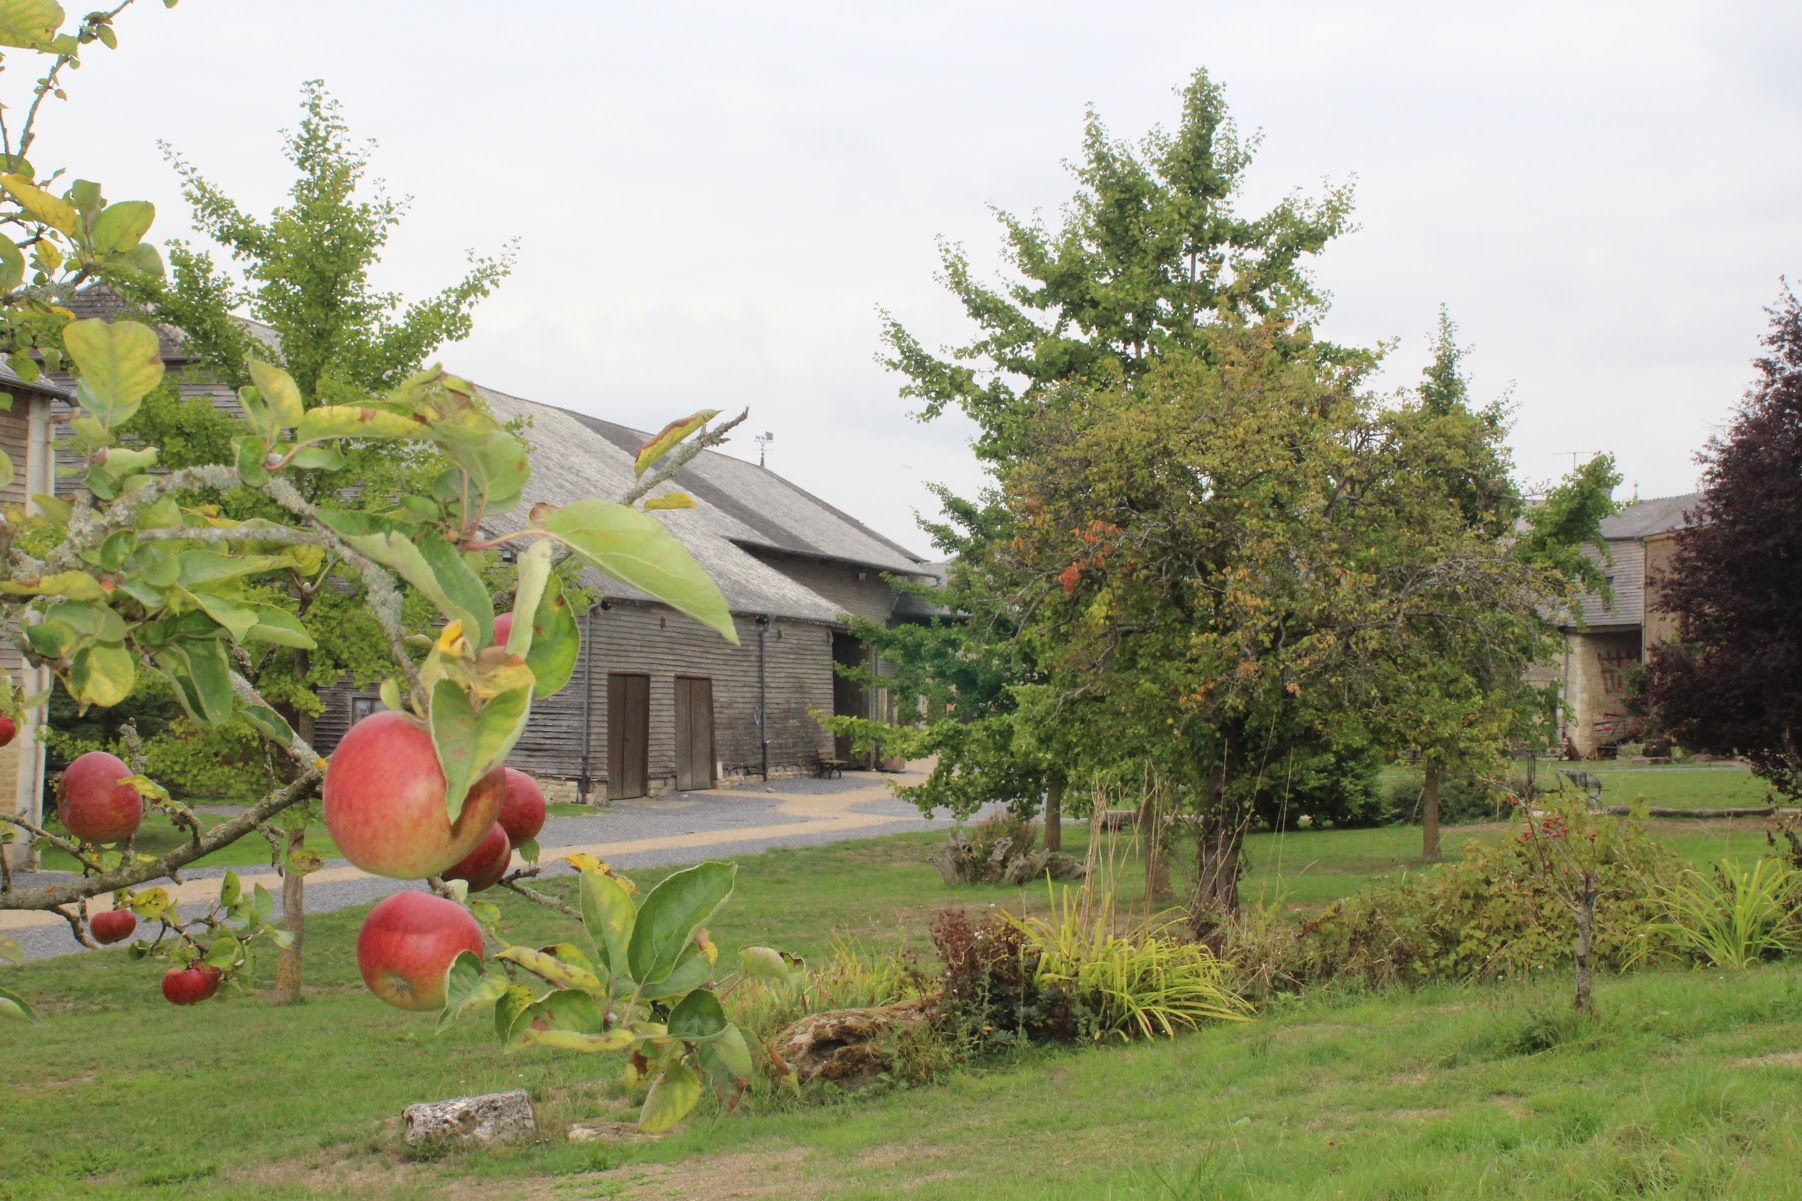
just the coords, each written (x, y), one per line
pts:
(1487, 917)
(1732, 917)
(1463, 801)
(1337, 785)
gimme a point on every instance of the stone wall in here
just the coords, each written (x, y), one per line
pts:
(1595, 677)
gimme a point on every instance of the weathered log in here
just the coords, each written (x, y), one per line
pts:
(491, 1118)
(849, 1047)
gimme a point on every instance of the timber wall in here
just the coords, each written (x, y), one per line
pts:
(654, 641)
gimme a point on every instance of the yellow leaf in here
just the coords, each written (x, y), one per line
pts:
(57, 213)
(670, 500)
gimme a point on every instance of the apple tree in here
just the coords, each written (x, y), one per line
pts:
(114, 576)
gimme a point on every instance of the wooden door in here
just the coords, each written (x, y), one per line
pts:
(848, 698)
(628, 735)
(694, 733)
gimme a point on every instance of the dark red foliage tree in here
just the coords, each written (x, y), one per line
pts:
(1732, 682)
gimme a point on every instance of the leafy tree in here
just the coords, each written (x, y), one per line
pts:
(1731, 682)
(1150, 255)
(127, 579)
(304, 282)
(1443, 658)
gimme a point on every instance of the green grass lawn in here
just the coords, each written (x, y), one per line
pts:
(1686, 1087)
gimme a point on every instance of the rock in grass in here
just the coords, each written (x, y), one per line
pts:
(493, 1118)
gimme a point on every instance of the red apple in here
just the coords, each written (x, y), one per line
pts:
(115, 925)
(407, 944)
(190, 985)
(503, 629)
(94, 806)
(8, 728)
(384, 801)
(522, 807)
(487, 863)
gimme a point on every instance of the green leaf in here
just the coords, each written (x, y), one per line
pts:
(278, 391)
(38, 204)
(692, 970)
(224, 953)
(426, 560)
(230, 889)
(324, 457)
(55, 508)
(269, 723)
(102, 674)
(671, 914)
(468, 983)
(672, 1095)
(697, 1016)
(249, 454)
(470, 743)
(771, 964)
(533, 573)
(516, 1000)
(12, 265)
(50, 638)
(669, 437)
(608, 915)
(118, 363)
(556, 641)
(354, 421)
(727, 1060)
(390, 693)
(12, 1005)
(569, 1020)
(634, 549)
(280, 628)
(262, 904)
(121, 226)
(200, 669)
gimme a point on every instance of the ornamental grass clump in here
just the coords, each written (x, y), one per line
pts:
(1733, 917)
(1143, 982)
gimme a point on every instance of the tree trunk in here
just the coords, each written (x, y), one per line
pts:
(1054, 816)
(294, 899)
(1586, 931)
(1153, 844)
(1429, 816)
(1218, 866)
(294, 920)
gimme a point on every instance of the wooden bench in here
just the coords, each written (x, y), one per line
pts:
(829, 768)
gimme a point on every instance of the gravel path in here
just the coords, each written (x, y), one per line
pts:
(703, 822)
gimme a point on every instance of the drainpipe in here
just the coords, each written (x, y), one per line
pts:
(763, 694)
(586, 783)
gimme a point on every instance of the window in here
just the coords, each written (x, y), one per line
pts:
(364, 706)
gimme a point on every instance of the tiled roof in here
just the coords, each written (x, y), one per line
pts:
(738, 504)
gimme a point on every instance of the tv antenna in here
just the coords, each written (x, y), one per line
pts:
(763, 441)
(1575, 454)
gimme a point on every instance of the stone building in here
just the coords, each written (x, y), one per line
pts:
(1611, 640)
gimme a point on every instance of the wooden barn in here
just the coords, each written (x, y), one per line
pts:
(658, 702)
(25, 436)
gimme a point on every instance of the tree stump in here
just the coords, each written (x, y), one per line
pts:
(850, 1047)
(492, 1118)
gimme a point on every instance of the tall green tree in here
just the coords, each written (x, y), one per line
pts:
(1475, 577)
(298, 293)
(1150, 255)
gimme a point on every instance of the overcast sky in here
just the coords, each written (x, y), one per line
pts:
(712, 201)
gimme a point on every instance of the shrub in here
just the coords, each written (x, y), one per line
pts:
(1489, 915)
(991, 997)
(1463, 801)
(1732, 917)
(1138, 984)
(1341, 785)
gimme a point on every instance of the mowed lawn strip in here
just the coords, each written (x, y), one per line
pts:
(121, 1095)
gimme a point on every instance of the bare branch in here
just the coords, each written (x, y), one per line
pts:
(127, 875)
